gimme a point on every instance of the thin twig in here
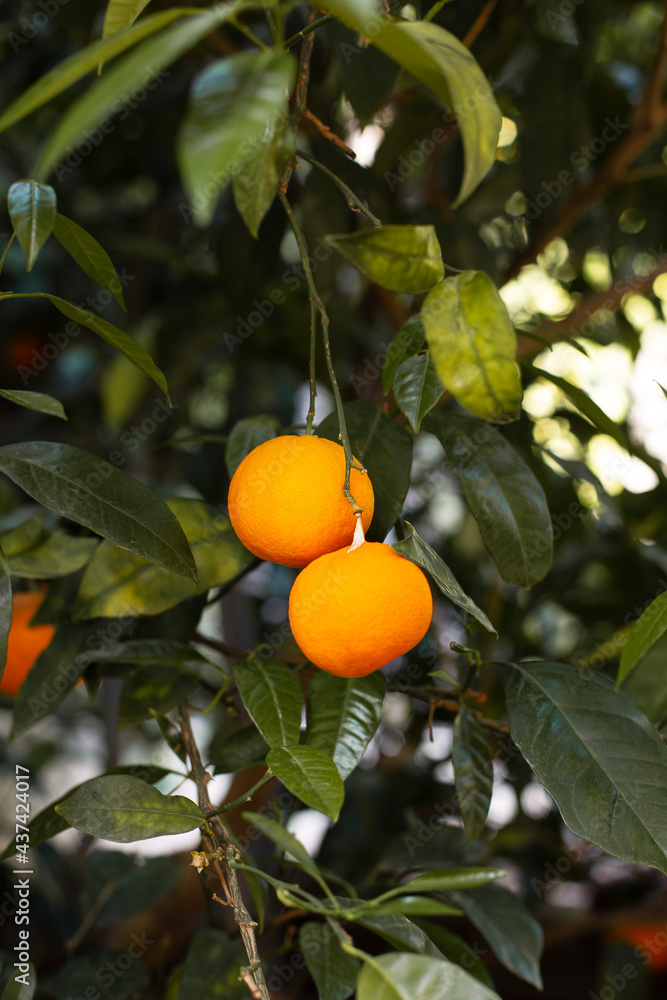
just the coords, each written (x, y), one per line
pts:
(353, 201)
(301, 93)
(264, 780)
(328, 134)
(309, 28)
(480, 23)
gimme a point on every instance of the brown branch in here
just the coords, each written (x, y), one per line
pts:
(480, 23)
(328, 134)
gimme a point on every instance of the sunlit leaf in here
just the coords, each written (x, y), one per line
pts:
(32, 210)
(402, 258)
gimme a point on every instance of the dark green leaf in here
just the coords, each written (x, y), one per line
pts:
(89, 255)
(395, 928)
(57, 555)
(456, 950)
(401, 258)
(23, 990)
(334, 972)
(94, 493)
(368, 76)
(645, 632)
(35, 401)
(514, 935)
(24, 536)
(158, 686)
(584, 403)
(273, 698)
(32, 210)
(417, 388)
(286, 841)
(145, 652)
(231, 101)
(402, 976)
(343, 715)
(473, 771)
(417, 906)
(504, 496)
(596, 754)
(473, 345)
(242, 749)
(126, 886)
(452, 878)
(116, 583)
(408, 341)
(124, 809)
(256, 185)
(5, 607)
(81, 975)
(245, 435)
(420, 552)
(310, 775)
(385, 449)
(212, 968)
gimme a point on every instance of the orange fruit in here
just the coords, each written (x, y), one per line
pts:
(650, 939)
(286, 500)
(24, 643)
(353, 611)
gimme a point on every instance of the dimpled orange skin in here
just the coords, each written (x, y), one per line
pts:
(352, 612)
(24, 644)
(286, 500)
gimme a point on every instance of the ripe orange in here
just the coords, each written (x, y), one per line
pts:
(353, 611)
(24, 643)
(286, 500)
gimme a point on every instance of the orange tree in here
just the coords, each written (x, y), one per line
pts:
(188, 242)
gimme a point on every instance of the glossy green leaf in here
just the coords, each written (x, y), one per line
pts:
(58, 554)
(212, 968)
(334, 972)
(94, 493)
(273, 698)
(127, 884)
(401, 976)
(417, 388)
(241, 749)
(124, 809)
(158, 686)
(583, 402)
(417, 906)
(117, 583)
(452, 878)
(514, 935)
(285, 840)
(596, 754)
(645, 632)
(420, 552)
(408, 341)
(396, 928)
(256, 186)
(89, 255)
(5, 607)
(440, 61)
(385, 449)
(343, 715)
(146, 652)
(456, 950)
(473, 771)
(81, 63)
(121, 14)
(21, 985)
(32, 210)
(35, 401)
(473, 345)
(231, 102)
(141, 67)
(401, 258)
(245, 435)
(48, 823)
(310, 775)
(504, 496)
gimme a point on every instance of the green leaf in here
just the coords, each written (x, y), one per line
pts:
(89, 255)
(514, 935)
(273, 698)
(420, 552)
(121, 14)
(5, 608)
(35, 401)
(124, 809)
(440, 61)
(417, 388)
(145, 652)
(256, 185)
(286, 841)
(310, 775)
(401, 976)
(48, 823)
(417, 906)
(86, 61)
(15, 990)
(473, 772)
(117, 885)
(147, 688)
(334, 972)
(456, 950)
(92, 492)
(596, 754)
(408, 341)
(343, 715)
(395, 928)
(140, 67)
(23, 536)
(245, 435)
(401, 258)
(212, 968)
(452, 878)
(231, 101)
(32, 210)
(473, 345)
(385, 449)
(504, 496)
(645, 632)
(57, 554)
(584, 403)
(244, 748)
(116, 583)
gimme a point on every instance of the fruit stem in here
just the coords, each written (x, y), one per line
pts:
(317, 306)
